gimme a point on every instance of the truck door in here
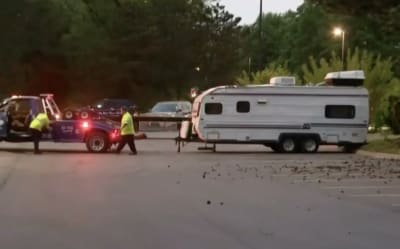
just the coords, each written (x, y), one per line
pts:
(68, 130)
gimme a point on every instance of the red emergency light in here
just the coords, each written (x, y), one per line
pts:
(85, 125)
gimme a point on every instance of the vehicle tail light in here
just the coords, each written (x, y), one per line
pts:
(57, 116)
(85, 125)
(114, 135)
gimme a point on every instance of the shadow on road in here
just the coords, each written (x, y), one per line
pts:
(166, 152)
(45, 151)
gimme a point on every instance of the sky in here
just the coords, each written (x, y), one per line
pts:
(250, 9)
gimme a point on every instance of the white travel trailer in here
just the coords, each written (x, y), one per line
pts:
(285, 117)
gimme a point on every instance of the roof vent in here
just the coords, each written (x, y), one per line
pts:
(283, 81)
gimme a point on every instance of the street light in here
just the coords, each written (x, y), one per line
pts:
(340, 32)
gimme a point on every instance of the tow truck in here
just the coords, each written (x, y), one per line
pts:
(17, 111)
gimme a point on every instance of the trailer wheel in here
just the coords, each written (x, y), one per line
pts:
(309, 145)
(288, 145)
(97, 142)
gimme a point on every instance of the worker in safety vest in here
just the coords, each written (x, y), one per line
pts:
(38, 123)
(127, 132)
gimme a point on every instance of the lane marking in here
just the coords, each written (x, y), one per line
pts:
(341, 180)
(376, 195)
(360, 187)
(395, 205)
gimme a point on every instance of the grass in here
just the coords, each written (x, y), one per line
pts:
(389, 145)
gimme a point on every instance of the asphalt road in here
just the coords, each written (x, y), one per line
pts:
(238, 197)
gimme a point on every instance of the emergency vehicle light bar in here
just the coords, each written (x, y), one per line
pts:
(47, 95)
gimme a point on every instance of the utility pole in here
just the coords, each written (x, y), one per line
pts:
(260, 59)
(260, 19)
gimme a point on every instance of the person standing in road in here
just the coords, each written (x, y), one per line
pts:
(40, 122)
(127, 132)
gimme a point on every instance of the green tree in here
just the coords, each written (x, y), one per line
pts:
(371, 7)
(372, 25)
(142, 49)
(31, 61)
(378, 72)
(264, 76)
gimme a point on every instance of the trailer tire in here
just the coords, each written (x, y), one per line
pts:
(288, 145)
(309, 145)
(97, 142)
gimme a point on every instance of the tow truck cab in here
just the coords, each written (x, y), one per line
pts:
(16, 113)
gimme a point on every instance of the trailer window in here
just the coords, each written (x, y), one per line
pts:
(340, 111)
(213, 108)
(243, 106)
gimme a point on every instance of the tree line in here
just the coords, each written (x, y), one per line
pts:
(150, 50)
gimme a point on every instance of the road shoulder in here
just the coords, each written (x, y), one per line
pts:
(378, 155)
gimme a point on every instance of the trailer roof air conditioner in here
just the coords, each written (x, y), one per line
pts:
(283, 81)
(345, 78)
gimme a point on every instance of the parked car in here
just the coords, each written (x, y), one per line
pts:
(167, 109)
(105, 108)
(171, 108)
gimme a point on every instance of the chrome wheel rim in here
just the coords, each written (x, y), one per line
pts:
(288, 145)
(97, 143)
(310, 145)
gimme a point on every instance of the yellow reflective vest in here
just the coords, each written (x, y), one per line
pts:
(39, 122)
(127, 124)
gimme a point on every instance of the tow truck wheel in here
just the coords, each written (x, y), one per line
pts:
(97, 142)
